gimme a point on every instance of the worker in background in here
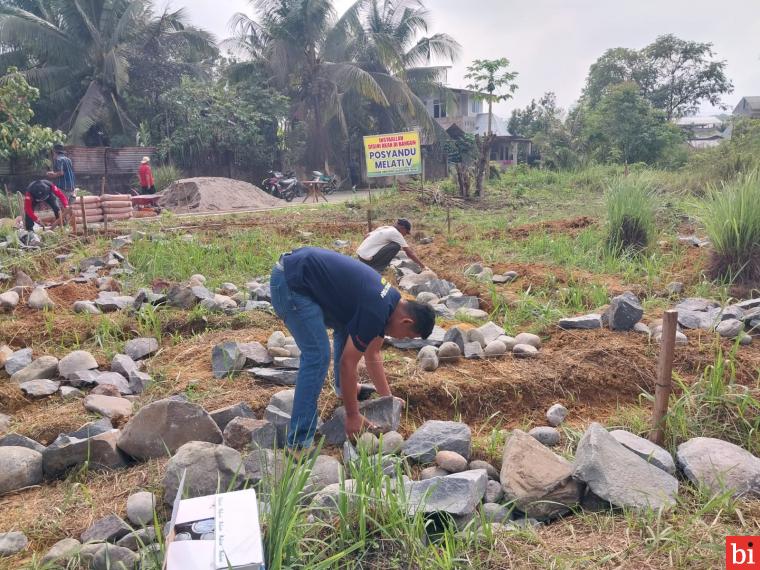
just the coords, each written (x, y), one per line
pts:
(145, 174)
(38, 192)
(63, 172)
(381, 245)
(314, 289)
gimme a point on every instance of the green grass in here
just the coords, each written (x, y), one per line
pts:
(630, 214)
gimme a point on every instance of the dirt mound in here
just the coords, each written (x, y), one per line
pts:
(211, 194)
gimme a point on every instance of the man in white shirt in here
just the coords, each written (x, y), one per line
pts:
(380, 246)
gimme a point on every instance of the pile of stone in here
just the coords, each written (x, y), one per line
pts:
(277, 362)
(623, 313)
(486, 341)
(484, 274)
(733, 321)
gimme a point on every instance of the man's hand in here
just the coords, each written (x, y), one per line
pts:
(357, 423)
(51, 174)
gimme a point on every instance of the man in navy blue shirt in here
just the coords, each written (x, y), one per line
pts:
(63, 171)
(314, 289)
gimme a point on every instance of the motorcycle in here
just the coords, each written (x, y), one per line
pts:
(290, 184)
(278, 186)
(331, 181)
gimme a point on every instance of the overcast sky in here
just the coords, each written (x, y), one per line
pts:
(552, 43)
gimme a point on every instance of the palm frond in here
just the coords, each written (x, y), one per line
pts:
(437, 46)
(38, 37)
(352, 78)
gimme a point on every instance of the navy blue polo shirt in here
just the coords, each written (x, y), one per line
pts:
(351, 294)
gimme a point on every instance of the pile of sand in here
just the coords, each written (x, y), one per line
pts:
(211, 194)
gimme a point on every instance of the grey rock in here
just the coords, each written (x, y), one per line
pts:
(504, 278)
(227, 359)
(76, 361)
(276, 340)
(434, 436)
(493, 512)
(16, 440)
(138, 539)
(109, 302)
(283, 400)
(473, 269)
(472, 314)
(258, 306)
(696, 304)
(383, 412)
(647, 450)
(456, 336)
(43, 367)
(449, 352)
(428, 298)
(427, 359)
(19, 360)
(451, 461)
(124, 365)
(495, 349)
(391, 442)
(207, 467)
(86, 307)
(89, 262)
(245, 432)
(279, 376)
(674, 288)
(463, 302)
(255, 354)
(84, 378)
(164, 426)
(332, 496)
(730, 328)
(473, 350)
(642, 328)
(439, 287)
(524, 351)
(475, 335)
(61, 552)
(529, 339)
(139, 348)
(491, 471)
(619, 476)
(494, 492)
(181, 296)
(719, 465)
(287, 362)
(19, 467)
(39, 299)
(225, 415)
(261, 464)
(490, 331)
(435, 339)
(71, 450)
(624, 312)
(108, 406)
(5, 422)
(325, 471)
(139, 381)
(39, 388)
(140, 507)
(458, 494)
(539, 482)
(106, 378)
(431, 472)
(548, 436)
(12, 543)
(8, 301)
(591, 321)
(281, 421)
(556, 414)
(107, 529)
(111, 557)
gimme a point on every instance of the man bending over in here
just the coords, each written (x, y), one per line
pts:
(380, 246)
(313, 289)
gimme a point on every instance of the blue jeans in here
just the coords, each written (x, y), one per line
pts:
(306, 322)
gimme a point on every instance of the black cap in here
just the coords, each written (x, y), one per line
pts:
(58, 147)
(404, 223)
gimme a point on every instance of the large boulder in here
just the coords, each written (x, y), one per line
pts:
(95, 447)
(383, 412)
(227, 359)
(19, 467)
(458, 494)
(138, 348)
(44, 367)
(719, 466)
(539, 482)
(162, 427)
(208, 468)
(619, 476)
(434, 436)
(644, 448)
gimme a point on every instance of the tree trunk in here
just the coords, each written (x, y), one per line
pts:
(463, 179)
(484, 145)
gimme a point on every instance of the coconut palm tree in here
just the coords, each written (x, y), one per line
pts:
(78, 53)
(334, 69)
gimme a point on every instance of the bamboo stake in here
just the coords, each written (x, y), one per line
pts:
(84, 217)
(664, 384)
(448, 217)
(102, 209)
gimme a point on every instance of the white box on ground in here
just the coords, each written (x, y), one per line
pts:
(237, 541)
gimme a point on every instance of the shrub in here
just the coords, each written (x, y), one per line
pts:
(165, 175)
(630, 213)
(731, 216)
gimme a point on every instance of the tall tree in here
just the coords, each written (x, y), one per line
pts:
(675, 75)
(78, 53)
(492, 82)
(339, 69)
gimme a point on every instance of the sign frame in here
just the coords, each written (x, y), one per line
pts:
(398, 154)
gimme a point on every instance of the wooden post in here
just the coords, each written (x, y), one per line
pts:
(448, 217)
(84, 216)
(664, 382)
(102, 208)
